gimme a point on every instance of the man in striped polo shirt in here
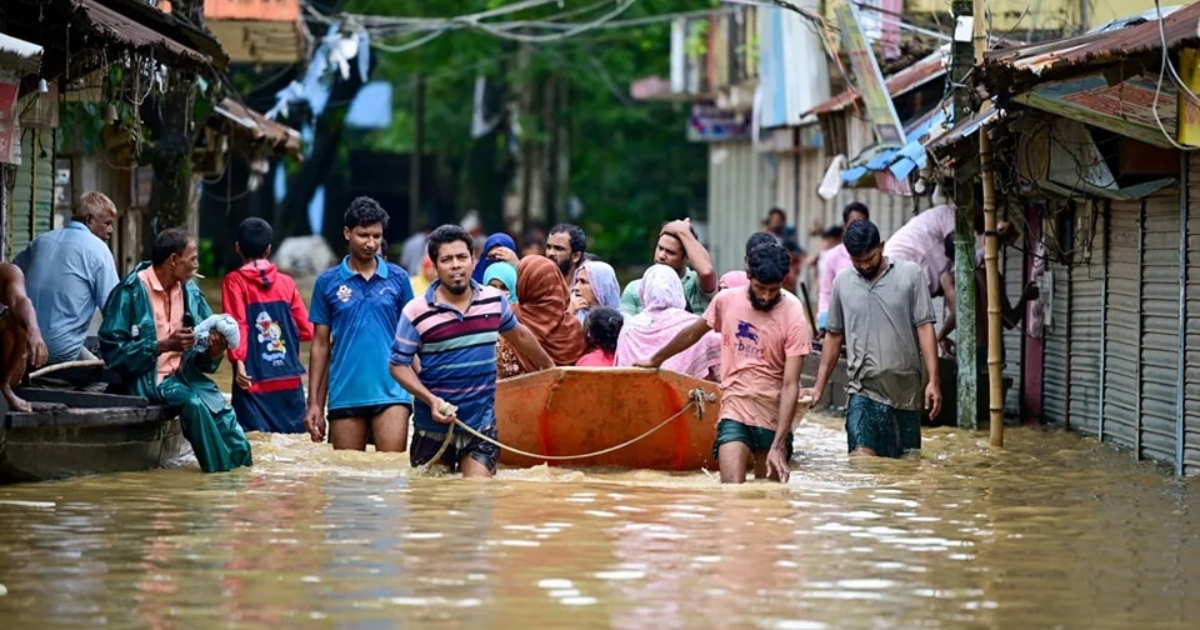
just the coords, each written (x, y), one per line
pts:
(453, 328)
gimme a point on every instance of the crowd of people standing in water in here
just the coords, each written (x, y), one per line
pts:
(427, 339)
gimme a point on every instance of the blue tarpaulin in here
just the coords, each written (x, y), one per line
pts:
(901, 161)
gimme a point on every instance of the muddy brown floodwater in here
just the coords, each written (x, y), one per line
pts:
(1053, 531)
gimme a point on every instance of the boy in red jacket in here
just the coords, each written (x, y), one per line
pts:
(268, 394)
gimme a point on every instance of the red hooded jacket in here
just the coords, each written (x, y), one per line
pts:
(273, 321)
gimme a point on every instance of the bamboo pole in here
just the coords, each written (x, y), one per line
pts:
(991, 255)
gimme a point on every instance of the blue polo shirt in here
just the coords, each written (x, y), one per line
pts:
(362, 316)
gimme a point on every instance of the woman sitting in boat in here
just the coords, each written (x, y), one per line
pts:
(733, 280)
(596, 286)
(663, 316)
(502, 276)
(542, 307)
(602, 329)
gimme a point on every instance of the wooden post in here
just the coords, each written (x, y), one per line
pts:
(991, 253)
(964, 232)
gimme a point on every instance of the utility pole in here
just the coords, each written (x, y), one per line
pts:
(414, 165)
(964, 233)
(990, 256)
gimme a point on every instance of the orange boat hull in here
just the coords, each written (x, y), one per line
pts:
(573, 411)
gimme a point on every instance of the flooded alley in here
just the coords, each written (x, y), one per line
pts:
(1053, 531)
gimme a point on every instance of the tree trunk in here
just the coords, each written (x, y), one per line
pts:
(172, 137)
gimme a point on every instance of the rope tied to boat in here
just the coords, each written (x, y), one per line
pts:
(696, 400)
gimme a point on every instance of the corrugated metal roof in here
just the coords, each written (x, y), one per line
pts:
(907, 80)
(899, 160)
(283, 138)
(19, 47)
(1180, 28)
(114, 26)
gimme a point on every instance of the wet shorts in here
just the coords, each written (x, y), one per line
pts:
(757, 438)
(887, 431)
(368, 412)
(425, 444)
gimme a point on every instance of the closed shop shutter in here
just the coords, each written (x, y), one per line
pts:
(33, 191)
(1013, 260)
(1086, 327)
(1160, 329)
(1122, 325)
(1055, 375)
(1191, 451)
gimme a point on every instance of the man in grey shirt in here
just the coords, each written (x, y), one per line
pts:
(883, 310)
(69, 273)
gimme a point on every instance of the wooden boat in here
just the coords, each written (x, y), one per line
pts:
(573, 411)
(72, 433)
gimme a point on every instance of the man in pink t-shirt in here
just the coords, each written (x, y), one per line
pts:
(835, 259)
(765, 338)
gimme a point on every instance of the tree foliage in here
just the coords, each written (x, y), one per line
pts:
(630, 164)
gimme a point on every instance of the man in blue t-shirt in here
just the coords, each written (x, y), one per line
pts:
(355, 307)
(453, 328)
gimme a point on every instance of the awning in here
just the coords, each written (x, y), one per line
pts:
(899, 161)
(144, 27)
(1126, 108)
(259, 128)
(18, 52)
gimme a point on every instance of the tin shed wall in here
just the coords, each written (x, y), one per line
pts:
(741, 189)
(1191, 445)
(1056, 362)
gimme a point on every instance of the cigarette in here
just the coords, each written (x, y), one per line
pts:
(196, 275)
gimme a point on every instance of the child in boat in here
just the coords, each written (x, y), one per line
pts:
(268, 394)
(601, 328)
(765, 338)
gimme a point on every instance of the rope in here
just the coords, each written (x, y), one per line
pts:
(696, 400)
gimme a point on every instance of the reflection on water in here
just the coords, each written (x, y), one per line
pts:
(1052, 531)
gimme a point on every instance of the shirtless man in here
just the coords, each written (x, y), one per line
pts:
(20, 337)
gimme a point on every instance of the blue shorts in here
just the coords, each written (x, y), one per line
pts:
(887, 431)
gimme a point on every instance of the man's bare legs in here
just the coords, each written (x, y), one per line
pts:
(14, 339)
(389, 428)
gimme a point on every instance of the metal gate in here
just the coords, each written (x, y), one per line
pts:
(1055, 362)
(1086, 319)
(1156, 423)
(1121, 391)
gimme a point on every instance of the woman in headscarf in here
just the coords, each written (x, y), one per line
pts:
(542, 308)
(498, 239)
(663, 316)
(503, 276)
(596, 286)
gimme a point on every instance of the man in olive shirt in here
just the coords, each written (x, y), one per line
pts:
(882, 308)
(679, 249)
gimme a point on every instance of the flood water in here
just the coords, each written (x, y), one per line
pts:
(1053, 531)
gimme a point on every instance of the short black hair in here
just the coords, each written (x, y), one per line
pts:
(169, 241)
(691, 228)
(254, 236)
(833, 232)
(852, 207)
(364, 211)
(574, 233)
(603, 326)
(777, 211)
(860, 237)
(768, 263)
(759, 238)
(447, 234)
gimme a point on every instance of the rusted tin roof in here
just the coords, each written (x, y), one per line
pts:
(145, 28)
(1096, 48)
(259, 128)
(907, 80)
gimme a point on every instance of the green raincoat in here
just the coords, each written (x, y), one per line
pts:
(129, 345)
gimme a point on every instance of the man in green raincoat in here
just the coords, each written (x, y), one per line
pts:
(147, 338)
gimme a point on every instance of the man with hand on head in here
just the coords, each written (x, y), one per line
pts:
(679, 249)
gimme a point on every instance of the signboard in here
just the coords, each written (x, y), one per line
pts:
(709, 123)
(881, 111)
